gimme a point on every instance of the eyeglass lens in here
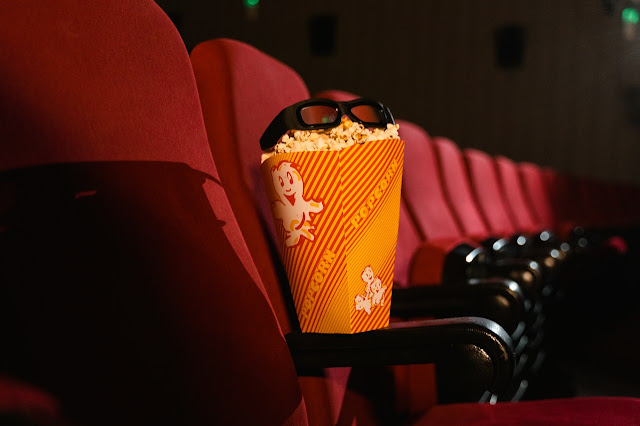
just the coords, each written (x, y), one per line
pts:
(319, 114)
(368, 113)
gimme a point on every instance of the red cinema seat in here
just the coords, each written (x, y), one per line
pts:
(497, 189)
(511, 186)
(125, 279)
(537, 195)
(458, 191)
(596, 206)
(424, 194)
(570, 210)
(21, 403)
(487, 192)
(529, 220)
(562, 198)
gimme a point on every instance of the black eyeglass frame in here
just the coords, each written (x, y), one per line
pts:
(291, 118)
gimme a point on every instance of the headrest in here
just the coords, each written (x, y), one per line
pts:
(336, 95)
(253, 88)
(96, 81)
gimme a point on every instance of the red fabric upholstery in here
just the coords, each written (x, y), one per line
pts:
(28, 403)
(578, 412)
(130, 299)
(127, 89)
(487, 192)
(421, 186)
(336, 95)
(514, 197)
(458, 190)
(563, 200)
(537, 194)
(133, 88)
(241, 90)
(408, 243)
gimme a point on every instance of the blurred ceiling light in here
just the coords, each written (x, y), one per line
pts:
(251, 9)
(630, 18)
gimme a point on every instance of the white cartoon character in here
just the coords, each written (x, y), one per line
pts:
(363, 303)
(373, 291)
(368, 277)
(378, 292)
(291, 207)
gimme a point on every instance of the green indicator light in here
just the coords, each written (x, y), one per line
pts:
(630, 15)
(251, 3)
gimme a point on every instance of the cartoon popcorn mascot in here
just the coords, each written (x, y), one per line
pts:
(291, 207)
(373, 292)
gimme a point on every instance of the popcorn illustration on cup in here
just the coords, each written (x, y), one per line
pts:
(373, 292)
(362, 303)
(292, 208)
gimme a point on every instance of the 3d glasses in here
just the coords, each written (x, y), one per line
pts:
(313, 114)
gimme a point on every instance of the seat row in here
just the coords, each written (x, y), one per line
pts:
(140, 279)
(257, 85)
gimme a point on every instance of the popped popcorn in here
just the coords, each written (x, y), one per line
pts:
(346, 134)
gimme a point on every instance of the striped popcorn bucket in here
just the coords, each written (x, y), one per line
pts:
(336, 216)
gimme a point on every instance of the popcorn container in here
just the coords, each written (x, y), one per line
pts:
(336, 216)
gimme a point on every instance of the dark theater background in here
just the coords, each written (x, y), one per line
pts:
(552, 82)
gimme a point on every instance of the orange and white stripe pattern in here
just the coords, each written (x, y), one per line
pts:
(357, 227)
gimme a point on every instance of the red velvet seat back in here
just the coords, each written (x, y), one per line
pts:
(336, 95)
(536, 194)
(421, 186)
(488, 195)
(561, 199)
(457, 188)
(124, 275)
(408, 242)
(514, 197)
(241, 91)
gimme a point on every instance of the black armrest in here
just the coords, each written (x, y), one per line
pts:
(480, 346)
(526, 272)
(500, 300)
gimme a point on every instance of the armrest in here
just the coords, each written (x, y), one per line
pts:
(500, 300)
(526, 272)
(479, 345)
